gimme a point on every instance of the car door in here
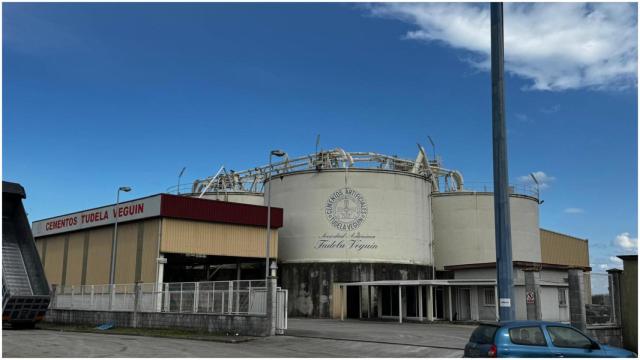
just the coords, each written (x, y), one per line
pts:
(525, 341)
(566, 341)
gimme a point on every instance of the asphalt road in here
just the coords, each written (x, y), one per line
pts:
(331, 339)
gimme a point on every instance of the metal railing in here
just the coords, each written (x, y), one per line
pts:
(212, 297)
(481, 186)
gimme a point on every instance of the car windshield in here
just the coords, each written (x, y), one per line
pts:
(483, 334)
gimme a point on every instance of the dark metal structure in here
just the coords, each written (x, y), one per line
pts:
(504, 266)
(25, 291)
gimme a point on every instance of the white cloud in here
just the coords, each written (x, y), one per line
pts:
(572, 210)
(626, 242)
(557, 46)
(616, 260)
(603, 266)
(543, 179)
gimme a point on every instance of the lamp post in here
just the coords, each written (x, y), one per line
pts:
(179, 176)
(278, 153)
(115, 236)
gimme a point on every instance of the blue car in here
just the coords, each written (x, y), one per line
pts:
(536, 339)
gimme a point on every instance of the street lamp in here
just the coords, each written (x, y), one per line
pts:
(115, 235)
(179, 176)
(278, 153)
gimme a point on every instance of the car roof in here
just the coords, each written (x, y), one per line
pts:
(519, 323)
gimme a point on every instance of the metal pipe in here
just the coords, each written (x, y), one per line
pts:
(504, 266)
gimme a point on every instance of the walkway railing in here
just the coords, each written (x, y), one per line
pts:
(213, 297)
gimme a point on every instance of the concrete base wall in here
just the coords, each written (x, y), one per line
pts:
(310, 285)
(252, 325)
(607, 335)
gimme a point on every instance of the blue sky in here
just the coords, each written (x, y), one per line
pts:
(101, 95)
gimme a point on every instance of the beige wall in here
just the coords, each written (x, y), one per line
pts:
(53, 261)
(203, 238)
(98, 261)
(563, 249)
(464, 229)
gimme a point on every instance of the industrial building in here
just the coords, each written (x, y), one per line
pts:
(357, 235)
(161, 238)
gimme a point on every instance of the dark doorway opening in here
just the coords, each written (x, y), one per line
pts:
(353, 302)
(389, 300)
(412, 301)
(438, 304)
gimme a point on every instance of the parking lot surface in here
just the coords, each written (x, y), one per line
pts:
(305, 338)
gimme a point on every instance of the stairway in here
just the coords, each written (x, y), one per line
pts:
(14, 271)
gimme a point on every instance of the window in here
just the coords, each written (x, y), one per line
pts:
(489, 297)
(527, 336)
(562, 297)
(567, 337)
(484, 334)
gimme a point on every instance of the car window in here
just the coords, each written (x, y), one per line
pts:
(567, 337)
(483, 334)
(531, 335)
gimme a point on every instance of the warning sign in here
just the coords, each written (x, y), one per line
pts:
(531, 297)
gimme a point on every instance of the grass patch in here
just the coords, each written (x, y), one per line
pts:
(166, 333)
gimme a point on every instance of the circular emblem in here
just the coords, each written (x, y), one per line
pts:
(346, 209)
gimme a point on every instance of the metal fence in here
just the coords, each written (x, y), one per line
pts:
(600, 308)
(213, 297)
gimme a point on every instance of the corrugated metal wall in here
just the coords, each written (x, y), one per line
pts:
(562, 249)
(194, 237)
(87, 259)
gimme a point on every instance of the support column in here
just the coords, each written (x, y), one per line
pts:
(379, 301)
(450, 305)
(420, 289)
(238, 270)
(577, 310)
(360, 302)
(369, 292)
(272, 312)
(161, 260)
(615, 295)
(531, 295)
(343, 298)
(400, 304)
(495, 298)
(430, 304)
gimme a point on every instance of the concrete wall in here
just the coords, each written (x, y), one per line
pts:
(252, 325)
(629, 303)
(464, 228)
(606, 335)
(388, 218)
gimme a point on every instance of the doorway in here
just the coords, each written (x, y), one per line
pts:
(438, 303)
(353, 302)
(463, 304)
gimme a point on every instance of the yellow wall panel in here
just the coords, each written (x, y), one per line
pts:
(556, 248)
(55, 255)
(150, 250)
(74, 258)
(98, 256)
(126, 253)
(195, 237)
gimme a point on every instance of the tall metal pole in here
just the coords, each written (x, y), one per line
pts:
(266, 265)
(180, 176)
(112, 273)
(504, 266)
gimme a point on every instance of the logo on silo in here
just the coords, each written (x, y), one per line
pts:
(346, 209)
